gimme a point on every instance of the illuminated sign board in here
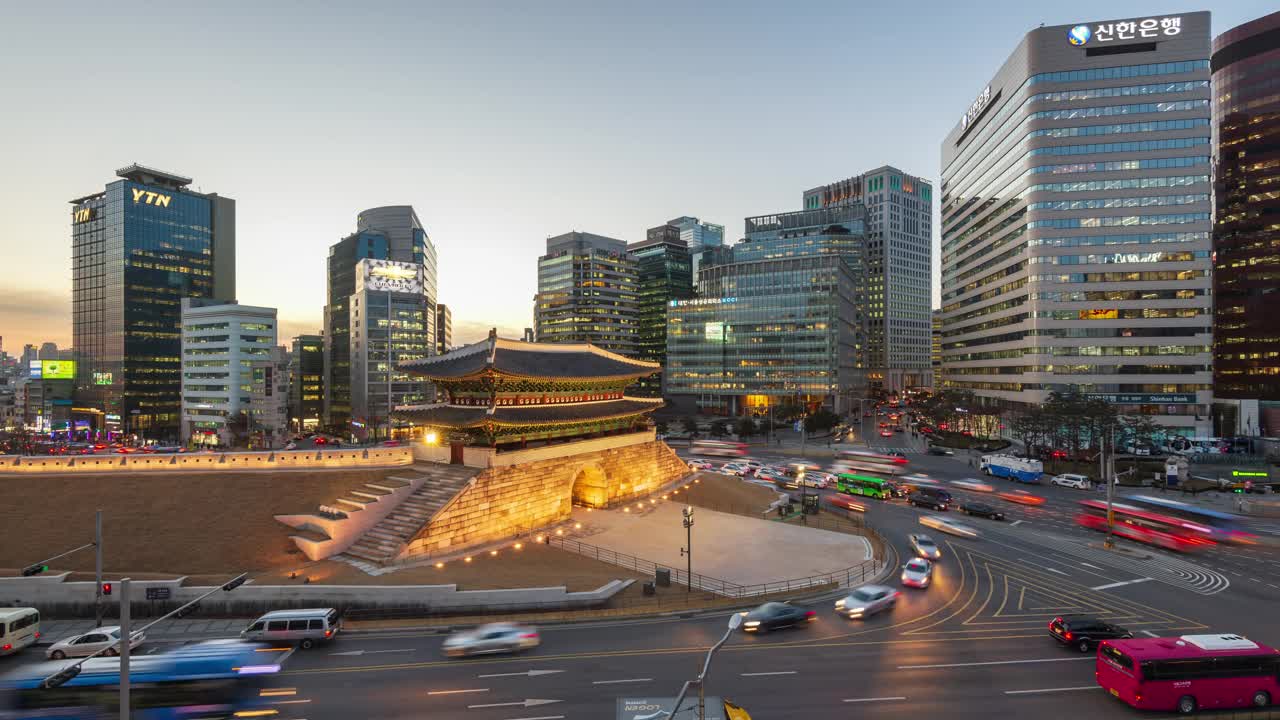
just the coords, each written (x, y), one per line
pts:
(102, 378)
(1099, 314)
(1145, 28)
(58, 369)
(394, 272)
(714, 332)
(149, 197)
(980, 104)
(83, 215)
(703, 301)
(34, 370)
(1144, 399)
(1250, 473)
(390, 276)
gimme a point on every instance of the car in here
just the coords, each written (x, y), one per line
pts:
(867, 600)
(491, 638)
(973, 485)
(949, 526)
(775, 616)
(944, 452)
(1071, 480)
(819, 479)
(923, 546)
(930, 497)
(700, 465)
(83, 645)
(1083, 632)
(780, 479)
(1021, 497)
(845, 502)
(1139, 449)
(918, 572)
(753, 464)
(899, 428)
(925, 430)
(981, 510)
(886, 433)
(736, 468)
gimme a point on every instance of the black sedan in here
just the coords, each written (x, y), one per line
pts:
(776, 615)
(1083, 632)
(981, 510)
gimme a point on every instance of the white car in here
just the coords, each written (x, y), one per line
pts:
(86, 644)
(974, 485)
(1079, 482)
(867, 600)
(700, 465)
(918, 572)
(735, 468)
(753, 464)
(948, 526)
(819, 479)
(491, 638)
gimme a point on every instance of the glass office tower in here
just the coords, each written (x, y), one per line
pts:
(664, 273)
(587, 293)
(1076, 221)
(138, 247)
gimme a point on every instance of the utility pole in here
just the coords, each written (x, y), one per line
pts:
(126, 640)
(1108, 478)
(687, 550)
(97, 568)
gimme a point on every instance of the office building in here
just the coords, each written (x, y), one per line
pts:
(138, 247)
(587, 293)
(528, 335)
(444, 328)
(1246, 234)
(935, 348)
(899, 261)
(392, 233)
(1075, 211)
(390, 323)
(700, 237)
(232, 394)
(663, 273)
(306, 383)
(778, 322)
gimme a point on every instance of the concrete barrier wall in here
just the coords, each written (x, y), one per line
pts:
(214, 462)
(55, 597)
(344, 532)
(483, 457)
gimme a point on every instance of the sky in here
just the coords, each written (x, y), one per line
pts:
(502, 123)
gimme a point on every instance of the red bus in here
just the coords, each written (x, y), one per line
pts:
(1191, 672)
(1145, 526)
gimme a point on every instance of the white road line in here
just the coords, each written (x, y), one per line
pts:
(457, 692)
(762, 674)
(615, 682)
(1016, 523)
(1055, 570)
(1049, 690)
(542, 717)
(992, 662)
(1148, 633)
(897, 697)
(1118, 584)
(1095, 567)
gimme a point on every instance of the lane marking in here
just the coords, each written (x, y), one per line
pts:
(616, 682)
(1095, 567)
(527, 673)
(879, 699)
(763, 674)
(1148, 633)
(992, 662)
(1050, 690)
(457, 692)
(1055, 570)
(1119, 584)
(528, 702)
(542, 717)
(1015, 523)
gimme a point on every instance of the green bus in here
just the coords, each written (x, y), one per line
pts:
(863, 485)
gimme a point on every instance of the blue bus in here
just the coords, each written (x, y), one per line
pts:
(1221, 527)
(216, 679)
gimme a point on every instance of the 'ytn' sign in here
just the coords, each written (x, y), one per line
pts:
(150, 198)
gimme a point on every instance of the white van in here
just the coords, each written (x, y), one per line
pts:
(1071, 480)
(305, 627)
(19, 627)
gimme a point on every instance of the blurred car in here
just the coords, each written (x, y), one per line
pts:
(778, 478)
(936, 450)
(736, 468)
(1021, 497)
(886, 433)
(899, 428)
(1071, 480)
(930, 497)
(925, 430)
(896, 453)
(981, 510)
(949, 526)
(867, 600)
(776, 615)
(819, 479)
(923, 546)
(1083, 632)
(700, 465)
(86, 644)
(918, 572)
(753, 464)
(845, 502)
(490, 639)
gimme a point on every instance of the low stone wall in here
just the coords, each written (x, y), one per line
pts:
(214, 462)
(508, 500)
(483, 457)
(56, 598)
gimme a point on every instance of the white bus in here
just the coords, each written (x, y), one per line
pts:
(19, 627)
(859, 460)
(720, 448)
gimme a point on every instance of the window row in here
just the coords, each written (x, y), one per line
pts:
(1109, 110)
(1120, 220)
(1120, 128)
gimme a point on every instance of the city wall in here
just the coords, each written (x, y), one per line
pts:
(375, 457)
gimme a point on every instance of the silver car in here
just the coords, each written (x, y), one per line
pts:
(491, 639)
(924, 547)
(84, 645)
(867, 600)
(918, 572)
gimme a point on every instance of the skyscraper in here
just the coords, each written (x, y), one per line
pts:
(1246, 117)
(1075, 216)
(700, 237)
(444, 328)
(138, 247)
(306, 391)
(899, 262)
(587, 293)
(664, 273)
(386, 233)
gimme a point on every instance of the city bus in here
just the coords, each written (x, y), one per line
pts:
(216, 678)
(850, 484)
(1145, 526)
(1188, 673)
(851, 460)
(720, 448)
(1223, 527)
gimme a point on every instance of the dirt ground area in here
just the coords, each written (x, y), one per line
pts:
(167, 523)
(726, 493)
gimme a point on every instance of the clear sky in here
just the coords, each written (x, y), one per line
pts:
(502, 122)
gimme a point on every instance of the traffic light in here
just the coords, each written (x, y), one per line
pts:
(30, 570)
(106, 589)
(61, 677)
(235, 583)
(186, 610)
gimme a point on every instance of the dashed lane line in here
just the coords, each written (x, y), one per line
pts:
(1052, 690)
(877, 699)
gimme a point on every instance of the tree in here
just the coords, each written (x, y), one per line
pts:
(238, 428)
(1140, 430)
(690, 424)
(660, 426)
(821, 421)
(745, 428)
(719, 428)
(1030, 427)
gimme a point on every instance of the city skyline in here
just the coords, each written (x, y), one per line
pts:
(497, 114)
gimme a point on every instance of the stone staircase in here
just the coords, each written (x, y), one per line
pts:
(382, 543)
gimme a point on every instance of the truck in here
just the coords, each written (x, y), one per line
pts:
(1008, 466)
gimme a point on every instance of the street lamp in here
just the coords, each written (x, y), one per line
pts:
(687, 550)
(735, 621)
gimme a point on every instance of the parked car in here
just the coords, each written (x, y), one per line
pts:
(1083, 632)
(1071, 480)
(936, 450)
(490, 639)
(981, 510)
(867, 600)
(736, 468)
(819, 479)
(776, 615)
(753, 464)
(700, 465)
(918, 572)
(930, 497)
(924, 547)
(86, 644)
(948, 526)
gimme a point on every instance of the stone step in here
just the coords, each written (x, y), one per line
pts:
(311, 535)
(370, 494)
(372, 556)
(386, 486)
(357, 503)
(375, 544)
(386, 535)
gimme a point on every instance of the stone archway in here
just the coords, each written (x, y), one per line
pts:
(590, 487)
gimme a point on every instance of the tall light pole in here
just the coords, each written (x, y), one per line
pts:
(687, 550)
(735, 620)
(1109, 478)
(97, 568)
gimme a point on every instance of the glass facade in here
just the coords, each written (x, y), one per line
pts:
(306, 391)
(587, 288)
(664, 270)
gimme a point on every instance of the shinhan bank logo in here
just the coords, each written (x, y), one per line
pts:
(1079, 35)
